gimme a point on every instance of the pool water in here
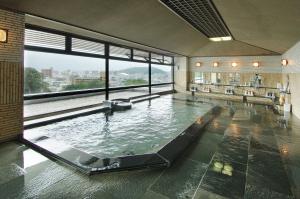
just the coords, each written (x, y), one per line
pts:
(144, 129)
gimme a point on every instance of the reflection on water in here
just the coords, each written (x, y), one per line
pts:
(31, 158)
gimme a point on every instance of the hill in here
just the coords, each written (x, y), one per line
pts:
(143, 70)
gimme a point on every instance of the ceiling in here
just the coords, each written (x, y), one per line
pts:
(267, 27)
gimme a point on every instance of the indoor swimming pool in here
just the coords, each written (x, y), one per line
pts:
(144, 129)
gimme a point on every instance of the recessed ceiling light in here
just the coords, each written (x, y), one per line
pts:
(220, 38)
(198, 64)
(226, 38)
(233, 64)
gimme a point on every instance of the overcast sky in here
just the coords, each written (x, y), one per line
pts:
(60, 62)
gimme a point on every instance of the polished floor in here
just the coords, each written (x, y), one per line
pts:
(244, 153)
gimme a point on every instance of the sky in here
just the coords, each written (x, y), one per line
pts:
(61, 62)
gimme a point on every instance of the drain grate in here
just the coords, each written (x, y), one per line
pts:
(201, 14)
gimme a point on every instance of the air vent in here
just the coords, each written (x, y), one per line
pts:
(84, 46)
(43, 39)
(201, 14)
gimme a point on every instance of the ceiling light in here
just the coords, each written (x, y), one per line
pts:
(3, 35)
(233, 64)
(284, 62)
(216, 64)
(198, 64)
(256, 64)
(228, 38)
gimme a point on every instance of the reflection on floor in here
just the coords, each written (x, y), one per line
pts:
(249, 157)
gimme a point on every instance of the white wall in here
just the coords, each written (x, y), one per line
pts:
(181, 73)
(293, 71)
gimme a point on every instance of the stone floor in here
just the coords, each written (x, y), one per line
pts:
(249, 156)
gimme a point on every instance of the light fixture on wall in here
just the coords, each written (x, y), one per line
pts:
(198, 64)
(256, 64)
(234, 64)
(284, 62)
(215, 64)
(3, 35)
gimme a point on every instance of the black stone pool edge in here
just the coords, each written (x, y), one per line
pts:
(90, 164)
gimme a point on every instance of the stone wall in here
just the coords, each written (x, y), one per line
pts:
(11, 76)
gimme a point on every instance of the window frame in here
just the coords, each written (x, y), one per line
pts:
(106, 56)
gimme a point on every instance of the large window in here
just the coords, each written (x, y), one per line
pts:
(62, 64)
(161, 74)
(126, 73)
(49, 72)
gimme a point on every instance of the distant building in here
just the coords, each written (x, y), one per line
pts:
(83, 80)
(47, 73)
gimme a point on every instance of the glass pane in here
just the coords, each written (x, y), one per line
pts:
(161, 74)
(44, 39)
(234, 78)
(156, 58)
(126, 73)
(161, 88)
(129, 93)
(168, 60)
(48, 72)
(84, 46)
(116, 51)
(198, 78)
(140, 55)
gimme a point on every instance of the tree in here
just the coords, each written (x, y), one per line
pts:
(33, 81)
(85, 85)
(133, 82)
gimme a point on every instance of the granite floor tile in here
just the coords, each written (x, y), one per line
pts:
(39, 174)
(181, 180)
(224, 179)
(12, 152)
(263, 193)
(235, 130)
(153, 195)
(203, 194)
(233, 153)
(235, 141)
(293, 173)
(113, 185)
(10, 172)
(203, 149)
(266, 170)
(290, 152)
(264, 143)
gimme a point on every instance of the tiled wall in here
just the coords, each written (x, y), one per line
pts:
(11, 76)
